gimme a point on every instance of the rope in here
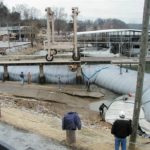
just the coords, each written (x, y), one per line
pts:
(93, 73)
(145, 102)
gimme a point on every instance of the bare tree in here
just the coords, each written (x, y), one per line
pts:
(114, 24)
(27, 12)
(4, 13)
(14, 18)
(60, 19)
(23, 10)
(109, 24)
(98, 23)
(34, 13)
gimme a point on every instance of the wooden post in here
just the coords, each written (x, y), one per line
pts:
(59, 82)
(140, 76)
(42, 77)
(120, 68)
(127, 68)
(88, 85)
(48, 30)
(52, 24)
(19, 33)
(29, 77)
(5, 75)
(130, 65)
(75, 13)
(79, 75)
(70, 136)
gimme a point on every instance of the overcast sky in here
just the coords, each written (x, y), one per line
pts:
(130, 11)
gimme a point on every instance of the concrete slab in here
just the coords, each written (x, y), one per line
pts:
(40, 93)
(83, 93)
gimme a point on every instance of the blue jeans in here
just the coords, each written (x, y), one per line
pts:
(119, 141)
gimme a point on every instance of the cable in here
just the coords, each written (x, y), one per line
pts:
(93, 73)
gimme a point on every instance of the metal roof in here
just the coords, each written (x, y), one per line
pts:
(12, 28)
(108, 31)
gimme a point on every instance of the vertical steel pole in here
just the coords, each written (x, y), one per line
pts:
(8, 36)
(19, 33)
(48, 30)
(52, 22)
(74, 15)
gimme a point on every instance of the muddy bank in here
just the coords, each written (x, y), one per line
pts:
(45, 116)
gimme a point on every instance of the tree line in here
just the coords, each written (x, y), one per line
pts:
(25, 16)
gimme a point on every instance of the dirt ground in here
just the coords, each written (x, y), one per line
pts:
(43, 116)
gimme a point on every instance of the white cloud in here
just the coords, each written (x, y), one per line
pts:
(126, 10)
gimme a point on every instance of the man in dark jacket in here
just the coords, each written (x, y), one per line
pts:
(70, 123)
(102, 109)
(121, 128)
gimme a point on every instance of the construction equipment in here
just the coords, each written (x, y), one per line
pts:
(53, 46)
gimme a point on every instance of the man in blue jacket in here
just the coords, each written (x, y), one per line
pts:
(71, 121)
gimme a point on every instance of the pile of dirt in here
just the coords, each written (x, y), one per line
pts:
(48, 107)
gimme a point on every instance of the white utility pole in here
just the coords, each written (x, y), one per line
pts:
(75, 13)
(50, 32)
(140, 76)
(48, 29)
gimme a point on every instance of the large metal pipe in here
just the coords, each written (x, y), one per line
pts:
(48, 30)
(75, 13)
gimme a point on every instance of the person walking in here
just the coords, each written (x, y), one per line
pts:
(121, 128)
(22, 78)
(102, 110)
